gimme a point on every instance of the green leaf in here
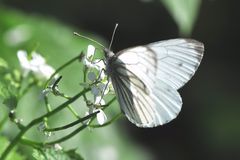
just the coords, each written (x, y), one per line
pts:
(11, 102)
(3, 64)
(8, 91)
(184, 12)
(72, 154)
(53, 154)
(13, 155)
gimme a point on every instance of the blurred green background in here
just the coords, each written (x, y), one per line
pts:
(208, 126)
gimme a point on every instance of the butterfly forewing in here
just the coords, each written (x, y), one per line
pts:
(178, 60)
(146, 79)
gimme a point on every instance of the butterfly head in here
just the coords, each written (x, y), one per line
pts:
(108, 53)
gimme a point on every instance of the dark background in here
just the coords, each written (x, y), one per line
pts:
(208, 126)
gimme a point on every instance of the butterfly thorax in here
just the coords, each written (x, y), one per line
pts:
(110, 56)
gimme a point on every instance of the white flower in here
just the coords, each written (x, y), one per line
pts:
(101, 116)
(95, 91)
(57, 147)
(100, 89)
(24, 62)
(89, 57)
(37, 65)
(89, 62)
(92, 76)
(99, 101)
(99, 64)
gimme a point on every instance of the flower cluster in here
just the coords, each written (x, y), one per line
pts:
(95, 73)
(35, 64)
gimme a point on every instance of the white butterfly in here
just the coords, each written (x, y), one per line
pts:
(146, 78)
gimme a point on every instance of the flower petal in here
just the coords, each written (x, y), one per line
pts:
(37, 59)
(24, 62)
(45, 71)
(101, 117)
(104, 88)
(95, 91)
(90, 51)
(99, 100)
(92, 76)
(99, 64)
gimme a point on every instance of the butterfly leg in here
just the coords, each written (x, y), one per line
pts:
(104, 89)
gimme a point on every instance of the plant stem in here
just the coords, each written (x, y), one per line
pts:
(38, 120)
(47, 105)
(68, 136)
(110, 102)
(73, 123)
(31, 143)
(72, 110)
(84, 80)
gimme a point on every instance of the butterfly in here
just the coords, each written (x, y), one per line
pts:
(146, 78)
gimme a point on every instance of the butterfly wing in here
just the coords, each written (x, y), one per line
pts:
(178, 60)
(146, 79)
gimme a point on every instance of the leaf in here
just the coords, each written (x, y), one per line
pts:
(8, 92)
(4, 93)
(53, 154)
(13, 155)
(3, 64)
(74, 155)
(184, 12)
(11, 102)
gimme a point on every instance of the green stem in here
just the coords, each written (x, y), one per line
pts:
(38, 120)
(15, 141)
(62, 67)
(72, 110)
(85, 80)
(39, 144)
(72, 124)
(110, 102)
(48, 106)
(31, 143)
(68, 136)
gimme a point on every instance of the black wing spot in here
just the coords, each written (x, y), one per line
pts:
(180, 64)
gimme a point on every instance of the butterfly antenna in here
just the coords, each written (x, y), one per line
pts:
(113, 36)
(90, 39)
